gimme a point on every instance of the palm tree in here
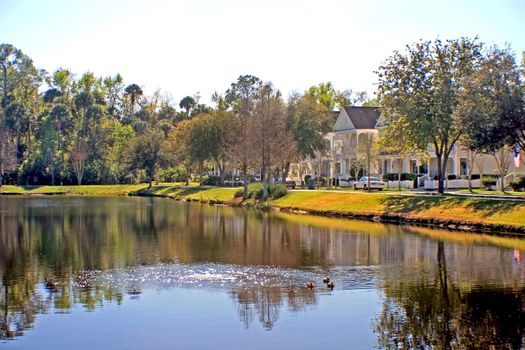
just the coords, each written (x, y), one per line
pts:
(134, 91)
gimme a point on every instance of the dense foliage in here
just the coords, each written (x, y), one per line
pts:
(438, 94)
(59, 128)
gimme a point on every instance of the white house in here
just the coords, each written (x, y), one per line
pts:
(351, 127)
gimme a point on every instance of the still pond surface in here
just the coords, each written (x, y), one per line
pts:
(145, 273)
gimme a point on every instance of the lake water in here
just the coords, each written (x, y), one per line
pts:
(152, 273)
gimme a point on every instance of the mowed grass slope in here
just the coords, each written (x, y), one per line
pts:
(201, 193)
(83, 190)
(473, 210)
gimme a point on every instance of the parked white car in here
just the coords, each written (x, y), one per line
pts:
(375, 183)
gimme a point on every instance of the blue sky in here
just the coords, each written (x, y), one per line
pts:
(182, 47)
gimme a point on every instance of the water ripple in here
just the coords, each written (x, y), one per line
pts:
(224, 276)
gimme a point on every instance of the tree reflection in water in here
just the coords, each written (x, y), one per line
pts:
(265, 303)
(435, 312)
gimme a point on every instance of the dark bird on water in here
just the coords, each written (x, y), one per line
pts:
(326, 280)
(310, 285)
(330, 285)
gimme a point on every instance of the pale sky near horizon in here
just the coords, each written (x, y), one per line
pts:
(182, 47)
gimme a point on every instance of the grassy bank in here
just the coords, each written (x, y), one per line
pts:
(437, 208)
(409, 208)
(196, 193)
(84, 190)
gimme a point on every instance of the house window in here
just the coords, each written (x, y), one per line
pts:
(385, 169)
(423, 168)
(463, 166)
(413, 166)
(337, 168)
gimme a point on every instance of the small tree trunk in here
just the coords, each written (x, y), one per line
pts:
(200, 174)
(400, 172)
(265, 184)
(221, 171)
(245, 180)
(151, 174)
(286, 170)
(18, 145)
(441, 171)
(470, 167)
(502, 160)
(368, 174)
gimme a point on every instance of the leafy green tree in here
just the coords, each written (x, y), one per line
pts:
(420, 89)
(491, 108)
(309, 121)
(64, 81)
(174, 148)
(222, 137)
(134, 92)
(187, 103)
(19, 83)
(114, 95)
(118, 141)
(327, 95)
(202, 141)
(144, 152)
(396, 139)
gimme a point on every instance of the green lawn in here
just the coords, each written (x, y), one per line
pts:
(488, 211)
(202, 193)
(83, 190)
(478, 191)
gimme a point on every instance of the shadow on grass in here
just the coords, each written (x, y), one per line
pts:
(188, 191)
(176, 190)
(413, 204)
(30, 187)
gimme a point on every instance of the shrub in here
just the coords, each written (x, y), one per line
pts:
(452, 177)
(518, 185)
(278, 191)
(488, 182)
(212, 181)
(177, 174)
(257, 193)
(255, 190)
(306, 178)
(238, 193)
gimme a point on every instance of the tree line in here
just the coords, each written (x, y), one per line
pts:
(57, 128)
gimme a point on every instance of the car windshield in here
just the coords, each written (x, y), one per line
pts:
(364, 178)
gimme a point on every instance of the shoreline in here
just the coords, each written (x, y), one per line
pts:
(386, 218)
(452, 225)
(480, 215)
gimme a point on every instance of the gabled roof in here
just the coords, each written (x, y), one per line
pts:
(343, 122)
(363, 117)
